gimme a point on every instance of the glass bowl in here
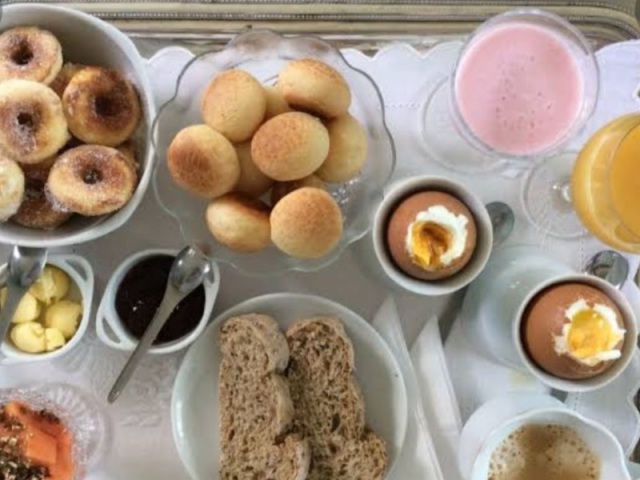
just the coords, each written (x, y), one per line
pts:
(264, 54)
(78, 411)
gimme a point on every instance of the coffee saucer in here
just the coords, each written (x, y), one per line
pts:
(492, 300)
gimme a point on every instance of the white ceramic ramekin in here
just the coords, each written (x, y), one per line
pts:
(89, 41)
(113, 333)
(80, 290)
(403, 189)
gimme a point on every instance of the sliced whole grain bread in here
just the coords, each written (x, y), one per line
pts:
(329, 407)
(255, 404)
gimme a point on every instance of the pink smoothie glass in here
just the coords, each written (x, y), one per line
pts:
(524, 84)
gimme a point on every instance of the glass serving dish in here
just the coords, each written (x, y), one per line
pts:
(80, 413)
(264, 54)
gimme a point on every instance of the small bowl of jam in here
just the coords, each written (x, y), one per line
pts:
(134, 294)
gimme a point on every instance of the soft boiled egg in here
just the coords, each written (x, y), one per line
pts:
(431, 235)
(573, 331)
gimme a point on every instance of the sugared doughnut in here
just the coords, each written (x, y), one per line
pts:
(36, 210)
(102, 107)
(91, 180)
(32, 123)
(276, 104)
(239, 222)
(203, 162)
(348, 150)
(290, 146)
(29, 53)
(307, 223)
(234, 104)
(280, 189)
(252, 181)
(63, 78)
(313, 86)
(11, 187)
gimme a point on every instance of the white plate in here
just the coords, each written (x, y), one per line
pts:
(195, 408)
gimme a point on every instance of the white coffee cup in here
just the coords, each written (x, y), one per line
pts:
(401, 190)
(494, 421)
(114, 334)
(494, 306)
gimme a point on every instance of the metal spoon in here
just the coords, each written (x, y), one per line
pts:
(502, 221)
(187, 272)
(609, 266)
(25, 266)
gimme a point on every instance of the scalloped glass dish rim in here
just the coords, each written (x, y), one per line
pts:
(297, 264)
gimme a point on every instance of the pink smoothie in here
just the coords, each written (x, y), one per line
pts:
(519, 88)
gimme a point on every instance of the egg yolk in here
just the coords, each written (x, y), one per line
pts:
(590, 334)
(429, 241)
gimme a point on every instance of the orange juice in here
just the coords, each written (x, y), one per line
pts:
(605, 186)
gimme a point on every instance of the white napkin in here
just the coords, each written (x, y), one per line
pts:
(418, 458)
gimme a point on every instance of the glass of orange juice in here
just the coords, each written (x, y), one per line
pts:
(605, 184)
(594, 190)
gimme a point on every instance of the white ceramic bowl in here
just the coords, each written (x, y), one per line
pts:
(195, 402)
(113, 333)
(80, 290)
(87, 40)
(401, 190)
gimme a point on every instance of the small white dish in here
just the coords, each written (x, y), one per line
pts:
(114, 334)
(87, 40)
(195, 403)
(80, 290)
(405, 188)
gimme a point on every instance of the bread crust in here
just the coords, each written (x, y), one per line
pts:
(330, 409)
(290, 146)
(234, 104)
(348, 151)
(239, 222)
(313, 86)
(256, 409)
(203, 162)
(306, 223)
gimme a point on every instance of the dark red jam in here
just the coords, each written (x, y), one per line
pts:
(140, 293)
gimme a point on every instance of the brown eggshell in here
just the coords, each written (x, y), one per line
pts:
(543, 320)
(405, 214)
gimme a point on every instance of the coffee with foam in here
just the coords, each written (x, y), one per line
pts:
(549, 452)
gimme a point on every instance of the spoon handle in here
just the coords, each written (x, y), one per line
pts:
(171, 299)
(14, 296)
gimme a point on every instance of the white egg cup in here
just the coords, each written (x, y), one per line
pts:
(114, 334)
(80, 290)
(403, 189)
(602, 379)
